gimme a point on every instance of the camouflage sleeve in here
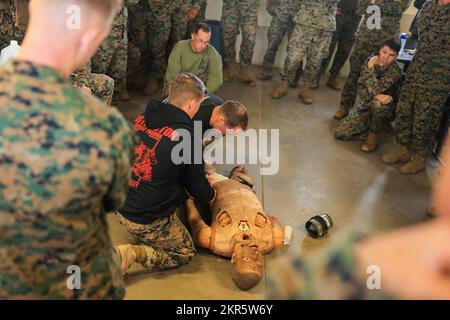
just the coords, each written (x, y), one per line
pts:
(393, 7)
(123, 143)
(370, 84)
(82, 76)
(330, 273)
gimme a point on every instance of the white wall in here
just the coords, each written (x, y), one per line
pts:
(214, 12)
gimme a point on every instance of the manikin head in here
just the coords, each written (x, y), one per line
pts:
(247, 260)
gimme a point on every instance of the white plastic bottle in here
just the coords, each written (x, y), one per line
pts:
(9, 52)
(403, 39)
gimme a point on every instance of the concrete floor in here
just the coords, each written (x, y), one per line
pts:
(317, 174)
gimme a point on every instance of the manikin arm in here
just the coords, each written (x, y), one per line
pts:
(201, 232)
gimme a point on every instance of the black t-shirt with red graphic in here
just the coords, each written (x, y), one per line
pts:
(163, 169)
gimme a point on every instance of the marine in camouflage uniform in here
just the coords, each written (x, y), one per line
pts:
(315, 24)
(101, 85)
(332, 273)
(425, 91)
(241, 14)
(347, 22)
(64, 162)
(283, 14)
(200, 5)
(370, 116)
(367, 42)
(111, 58)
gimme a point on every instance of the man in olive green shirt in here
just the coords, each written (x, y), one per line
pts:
(198, 57)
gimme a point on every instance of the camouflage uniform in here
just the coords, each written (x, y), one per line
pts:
(64, 161)
(166, 21)
(283, 14)
(201, 16)
(163, 244)
(101, 85)
(243, 14)
(370, 41)
(111, 58)
(331, 273)
(427, 82)
(371, 115)
(346, 25)
(315, 24)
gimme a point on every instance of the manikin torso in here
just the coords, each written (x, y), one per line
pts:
(237, 214)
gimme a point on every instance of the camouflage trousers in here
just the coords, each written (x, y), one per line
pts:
(165, 243)
(332, 273)
(241, 14)
(367, 117)
(307, 42)
(111, 59)
(281, 24)
(102, 87)
(165, 20)
(344, 39)
(419, 113)
(361, 52)
(7, 31)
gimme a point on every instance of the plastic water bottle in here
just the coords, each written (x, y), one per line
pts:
(403, 39)
(9, 52)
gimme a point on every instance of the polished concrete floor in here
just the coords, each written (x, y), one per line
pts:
(317, 174)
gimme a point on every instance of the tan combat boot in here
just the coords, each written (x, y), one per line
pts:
(230, 72)
(151, 87)
(341, 113)
(265, 74)
(371, 143)
(415, 165)
(305, 94)
(281, 90)
(127, 257)
(333, 84)
(244, 76)
(124, 96)
(399, 155)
